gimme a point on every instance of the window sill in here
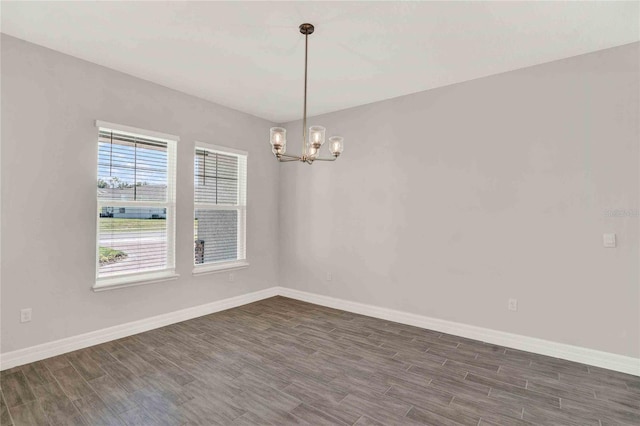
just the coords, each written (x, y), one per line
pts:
(220, 267)
(123, 282)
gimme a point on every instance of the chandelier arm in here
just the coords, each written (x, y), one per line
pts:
(286, 160)
(304, 120)
(290, 156)
(326, 159)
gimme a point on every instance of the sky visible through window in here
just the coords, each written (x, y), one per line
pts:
(124, 164)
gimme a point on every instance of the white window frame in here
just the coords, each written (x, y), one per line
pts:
(241, 262)
(148, 277)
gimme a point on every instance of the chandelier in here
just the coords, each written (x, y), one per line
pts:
(310, 148)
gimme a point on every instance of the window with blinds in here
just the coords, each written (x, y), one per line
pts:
(136, 205)
(220, 183)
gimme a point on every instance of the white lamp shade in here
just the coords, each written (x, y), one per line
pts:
(316, 136)
(278, 137)
(312, 151)
(336, 145)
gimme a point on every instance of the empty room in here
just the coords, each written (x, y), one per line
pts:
(320, 213)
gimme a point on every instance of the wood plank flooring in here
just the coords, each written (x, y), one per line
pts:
(281, 361)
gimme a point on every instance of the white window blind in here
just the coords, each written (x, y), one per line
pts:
(136, 205)
(220, 182)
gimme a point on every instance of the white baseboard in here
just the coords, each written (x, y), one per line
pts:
(62, 346)
(593, 357)
(621, 363)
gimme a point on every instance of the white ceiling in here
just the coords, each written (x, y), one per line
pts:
(249, 55)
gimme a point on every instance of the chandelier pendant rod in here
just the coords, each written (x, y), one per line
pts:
(304, 120)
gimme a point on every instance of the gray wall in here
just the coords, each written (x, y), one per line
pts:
(448, 202)
(49, 152)
(445, 203)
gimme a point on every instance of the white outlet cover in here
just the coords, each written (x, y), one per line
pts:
(25, 315)
(609, 240)
(513, 305)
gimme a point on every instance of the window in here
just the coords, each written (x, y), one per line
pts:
(220, 182)
(136, 206)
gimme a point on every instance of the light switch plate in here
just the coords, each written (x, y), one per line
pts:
(609, 240)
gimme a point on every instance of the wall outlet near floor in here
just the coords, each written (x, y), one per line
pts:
(513, 305)
(609, 240)
(25, 315)
(232, 277)
(329, 276)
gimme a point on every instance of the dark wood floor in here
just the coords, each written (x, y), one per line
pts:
(281, 361)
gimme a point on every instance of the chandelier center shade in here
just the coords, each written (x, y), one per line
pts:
(312, 138)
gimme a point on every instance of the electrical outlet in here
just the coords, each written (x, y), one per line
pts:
(513, 305)
(25, 315)
(609, 240)
(329, 276)
(232, 277)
